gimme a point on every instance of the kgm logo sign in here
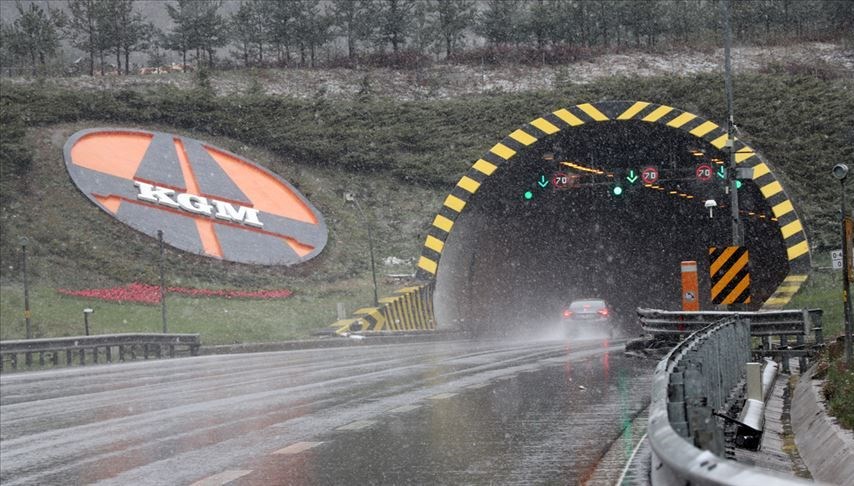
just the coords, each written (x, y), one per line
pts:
(205, 200)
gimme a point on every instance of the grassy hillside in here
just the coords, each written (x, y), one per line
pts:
(399, 157)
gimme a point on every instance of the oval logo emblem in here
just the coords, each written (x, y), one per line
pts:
(206, 200)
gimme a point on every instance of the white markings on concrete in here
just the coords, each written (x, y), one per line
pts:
(442, 396)
(405, 408)
(478, 385)
(298, 447)
(357, 425)
(224, 477)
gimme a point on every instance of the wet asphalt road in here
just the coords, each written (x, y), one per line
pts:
(423, 413)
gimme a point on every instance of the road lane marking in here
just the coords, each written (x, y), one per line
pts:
(442, 396)
(224, 477)
(477, 385)
(357, 425)
(298, 447)
(405, 408)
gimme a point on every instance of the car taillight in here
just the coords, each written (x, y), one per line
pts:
(567, 313)
(603, 312)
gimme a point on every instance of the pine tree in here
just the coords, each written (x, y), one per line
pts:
(36, 33)
(83, 28)
(453, 18)
(351, 20)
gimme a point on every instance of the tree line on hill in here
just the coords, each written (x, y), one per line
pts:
(396, 32)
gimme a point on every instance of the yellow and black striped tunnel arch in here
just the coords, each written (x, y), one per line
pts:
(548, 125)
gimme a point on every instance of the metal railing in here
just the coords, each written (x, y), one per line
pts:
(691, 383)
(762, 323)
(83, 350)
(781, 334)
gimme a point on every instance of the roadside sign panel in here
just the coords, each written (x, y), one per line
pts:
(690, 287)
(649, 175)
(206, 200)
(836, 259)
(704, 172)
(729, 270)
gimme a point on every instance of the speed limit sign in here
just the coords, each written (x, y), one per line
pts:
(704, 172)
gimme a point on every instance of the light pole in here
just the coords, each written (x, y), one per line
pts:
(27, 314)
(349, 197)
(162, 282)
(840, 172)
(732, 183)
(86, 313)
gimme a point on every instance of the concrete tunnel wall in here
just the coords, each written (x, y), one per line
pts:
(501, 263)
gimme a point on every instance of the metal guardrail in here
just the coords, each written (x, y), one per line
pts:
(785, 334)
(762, 323)
(82, 350)
(690, 383)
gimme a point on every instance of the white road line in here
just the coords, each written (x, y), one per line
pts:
(442, 396)
(357, 425)
(478, 385)
(298, 447)
(629, 462)
(405, 408)
(224, 477)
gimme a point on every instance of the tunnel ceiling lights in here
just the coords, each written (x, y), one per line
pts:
(583, 168)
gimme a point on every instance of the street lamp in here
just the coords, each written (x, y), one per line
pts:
(351, 198)
(86, 313)
(27, 314)
(840, 172)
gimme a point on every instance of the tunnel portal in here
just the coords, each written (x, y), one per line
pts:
(509, 249)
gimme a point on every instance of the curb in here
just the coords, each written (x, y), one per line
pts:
(826, 448)
(365, 339)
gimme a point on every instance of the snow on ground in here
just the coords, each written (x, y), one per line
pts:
(442, 81)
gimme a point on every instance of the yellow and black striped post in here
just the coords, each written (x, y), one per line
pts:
(729, 270)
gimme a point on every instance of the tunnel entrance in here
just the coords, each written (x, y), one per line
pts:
(516, 253)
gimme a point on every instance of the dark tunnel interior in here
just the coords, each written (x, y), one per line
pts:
(511, 264)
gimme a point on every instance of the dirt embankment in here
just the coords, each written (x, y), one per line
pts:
(442, 81)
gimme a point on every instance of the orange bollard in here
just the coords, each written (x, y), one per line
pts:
(690, 287)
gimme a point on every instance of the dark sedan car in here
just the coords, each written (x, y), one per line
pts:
(588, 318)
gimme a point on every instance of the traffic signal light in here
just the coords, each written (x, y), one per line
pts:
(617, 189)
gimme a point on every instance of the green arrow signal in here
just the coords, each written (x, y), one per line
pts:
(543, 182)
(632, 178)
(721, 172)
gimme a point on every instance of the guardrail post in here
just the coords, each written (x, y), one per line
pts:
(121, 352)
(41, 359)
(802, 361)
(701, 421)
(95, 354)
(676, 404)
(815, 319)
(145, 351)
(14, 361)
(108, 351)
(67, 357)
(784, 343)
(171, 350)
(82, 356)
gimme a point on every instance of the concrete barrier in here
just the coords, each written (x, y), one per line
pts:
(826, 448)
